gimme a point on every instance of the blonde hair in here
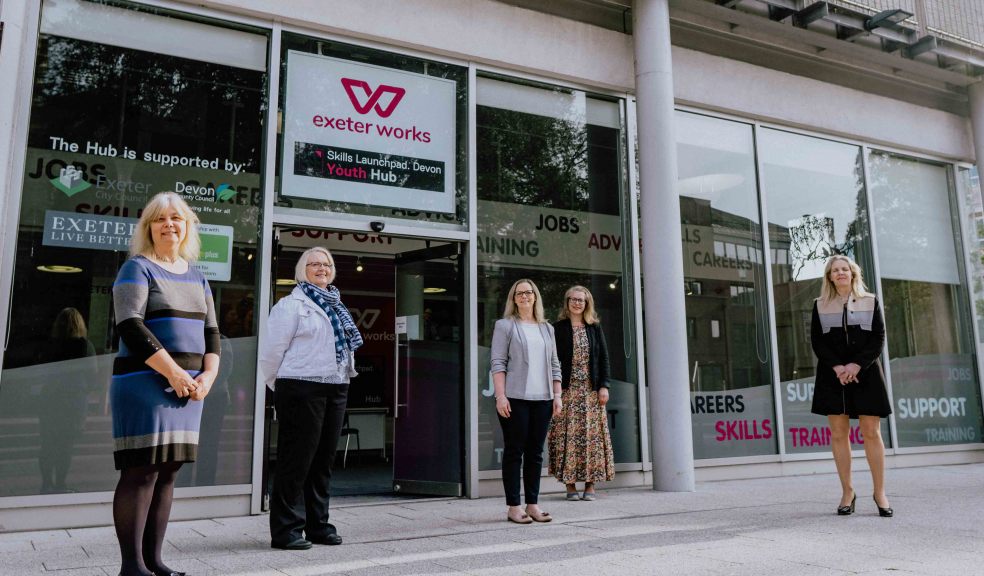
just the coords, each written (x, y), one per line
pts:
(68, 324)
(589, 315)
(829, 292)
(512, 311)
(142, 242)
(300, 270)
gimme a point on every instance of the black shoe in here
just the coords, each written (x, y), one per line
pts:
(326, 539)
(298, 544)
(848, 510)
(170, 574)
(883, 512)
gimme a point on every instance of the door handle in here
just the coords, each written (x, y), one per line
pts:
(400, 373)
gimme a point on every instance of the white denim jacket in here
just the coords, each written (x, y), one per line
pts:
(300, 343)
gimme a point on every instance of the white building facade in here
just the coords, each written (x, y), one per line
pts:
(693, 163)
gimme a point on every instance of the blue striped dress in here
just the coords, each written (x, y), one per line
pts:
(158, 309)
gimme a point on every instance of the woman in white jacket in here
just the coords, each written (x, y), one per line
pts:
(307, 358)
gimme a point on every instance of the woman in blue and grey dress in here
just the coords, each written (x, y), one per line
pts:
(167, 361)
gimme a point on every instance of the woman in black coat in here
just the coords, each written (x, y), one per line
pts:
(848, 335)
(580, 445)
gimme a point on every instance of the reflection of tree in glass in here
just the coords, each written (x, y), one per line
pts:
(146, 102)
(813, 239)
(892, 178)
(532, 160)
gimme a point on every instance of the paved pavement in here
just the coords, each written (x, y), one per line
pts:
(781, 526)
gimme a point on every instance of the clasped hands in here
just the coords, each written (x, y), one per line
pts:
(847, 373)
(196, 388)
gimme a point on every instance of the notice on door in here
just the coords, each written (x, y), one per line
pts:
(368, 135)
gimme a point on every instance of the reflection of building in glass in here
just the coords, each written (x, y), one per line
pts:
(722, 265)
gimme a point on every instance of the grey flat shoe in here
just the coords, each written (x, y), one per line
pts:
(573, 496)
(588, 496)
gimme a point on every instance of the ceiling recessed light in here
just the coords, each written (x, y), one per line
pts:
(59, 269)
(286, 281)
(434, 290)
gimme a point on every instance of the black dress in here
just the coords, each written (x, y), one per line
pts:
(842, 334)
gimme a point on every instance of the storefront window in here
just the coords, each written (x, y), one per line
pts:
(732, 401)
(551, 207)
(113, 123)
(815, 195)
(969, 190)
(372, 133)
(936, 394)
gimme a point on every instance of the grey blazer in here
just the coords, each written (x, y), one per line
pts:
(509, 356)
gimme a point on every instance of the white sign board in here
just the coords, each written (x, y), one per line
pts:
(368, 135)
(215, 261)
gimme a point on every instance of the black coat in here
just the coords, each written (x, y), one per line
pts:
(866, 397)
(598, 366)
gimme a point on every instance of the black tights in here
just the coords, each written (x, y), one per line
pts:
(141, 508)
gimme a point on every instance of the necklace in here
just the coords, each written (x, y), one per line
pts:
(160, 258)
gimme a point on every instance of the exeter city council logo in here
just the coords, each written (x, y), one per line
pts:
(70, 181)
(373, 96)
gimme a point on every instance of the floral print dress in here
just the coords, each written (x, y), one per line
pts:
(580, 446)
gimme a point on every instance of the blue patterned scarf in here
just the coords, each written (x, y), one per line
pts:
(347, 336)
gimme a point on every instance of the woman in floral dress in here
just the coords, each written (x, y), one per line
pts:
(580, 447)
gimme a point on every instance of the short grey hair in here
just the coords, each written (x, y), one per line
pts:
(300, 271)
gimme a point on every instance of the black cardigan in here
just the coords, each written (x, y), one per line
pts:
(597, 365)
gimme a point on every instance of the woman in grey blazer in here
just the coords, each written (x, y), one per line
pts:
(526, 375)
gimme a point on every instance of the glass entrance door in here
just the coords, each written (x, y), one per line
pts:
(403, 426)
(428, 442)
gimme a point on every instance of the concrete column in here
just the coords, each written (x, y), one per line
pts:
(976, 94)
(670, 430)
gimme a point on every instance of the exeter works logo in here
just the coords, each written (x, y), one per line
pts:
(70, 181)
(373, 96)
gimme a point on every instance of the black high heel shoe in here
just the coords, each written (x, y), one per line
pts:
(883, 512)
(849, 509)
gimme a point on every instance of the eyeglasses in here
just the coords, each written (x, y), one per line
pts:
(576, 301)
(318, 265)
(525, 293)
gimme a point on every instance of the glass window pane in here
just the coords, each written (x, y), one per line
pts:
(931, 350)
(816, 207)
(732, 402)
(152, 122)
(551, 191)
(969, 190)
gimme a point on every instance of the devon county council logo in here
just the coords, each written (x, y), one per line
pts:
(70, 181)
(224, 192)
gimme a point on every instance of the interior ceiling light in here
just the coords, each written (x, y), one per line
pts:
(434, 290)
(286, 281)
(358, 265)
(59, 269)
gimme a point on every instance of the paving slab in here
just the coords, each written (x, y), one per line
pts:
(762, 527)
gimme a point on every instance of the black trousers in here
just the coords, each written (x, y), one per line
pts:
(523, 434)
(310, 416)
